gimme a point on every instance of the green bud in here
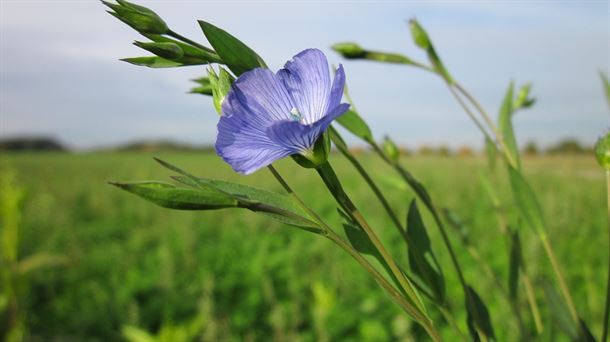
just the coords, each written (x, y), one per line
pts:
(390, 149)
(221, 85)
(602, 151)
(317, 156)
(138, 17)
(420, 37)
(523, 100)
(349, 50)
(204, 88)
(169, 51)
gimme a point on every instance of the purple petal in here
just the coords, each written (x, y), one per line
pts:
(307, 80)
(262, 94)
(245, 147)
(336, 92)
(297, 137)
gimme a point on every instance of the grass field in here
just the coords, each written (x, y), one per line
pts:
(235, 275)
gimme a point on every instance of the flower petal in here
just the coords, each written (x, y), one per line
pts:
(336, 92)
(262, 94)
(245, 148)
(296, 137)
(307, 80)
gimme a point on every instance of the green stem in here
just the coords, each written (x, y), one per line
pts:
(607, 306)
(331, 181)
(331, 235)
(559, 275)
(384, 202)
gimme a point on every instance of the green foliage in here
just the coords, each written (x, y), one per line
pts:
(169, 196)
(138, 17)
(236, 55)
(352, 121)
(249, 276)
(526, 201)
(479, 320)
(505, 125)
(422, 260)
(421, 39)
(220, 85)
(159, 62)
(390, 149)
(602, 151)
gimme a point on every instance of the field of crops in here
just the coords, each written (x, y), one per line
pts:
(131, 269)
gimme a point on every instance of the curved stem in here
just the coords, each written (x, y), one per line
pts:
(331, 235)
(331, 181)
(607, 305)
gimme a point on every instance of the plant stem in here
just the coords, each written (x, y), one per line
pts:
(384, 202)
(331, 235)
(210, 53)
(333, 184)
(607, 306)
(559, 275)
(531, 298)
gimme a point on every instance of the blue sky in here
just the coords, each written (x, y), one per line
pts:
(60, 74)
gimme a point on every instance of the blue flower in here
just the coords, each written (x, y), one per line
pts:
(267, 116)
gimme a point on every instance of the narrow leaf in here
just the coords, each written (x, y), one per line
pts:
(479, 320)
(235, 54)
(525, 200)
(491, 152)
(169, 196)
(559, 312)
(421, 258)
(352, 121)
(189, 50)
(359, 240)
(506, 126)
(158, 62)
(515, 262)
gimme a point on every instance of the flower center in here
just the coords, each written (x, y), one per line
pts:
(295, 114)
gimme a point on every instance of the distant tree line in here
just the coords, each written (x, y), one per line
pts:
(565, 146)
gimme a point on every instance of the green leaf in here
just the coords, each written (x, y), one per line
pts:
(236, 55)
(359, 240)
(525, 200)
(279, 206)
(158, 62)
(479, 320)
(506, 126)
(421, 258)
(352, 121)
(164, 50)
(515, 262)
(559, 311)
(421, 39)
(169, 196)
(204, 88)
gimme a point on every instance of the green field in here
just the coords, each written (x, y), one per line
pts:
(236, 275)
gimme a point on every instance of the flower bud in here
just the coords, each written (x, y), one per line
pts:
(138, 17)
(349, 50)
(420, 37)
(169, 51)
(523, 100)
(390, 149)
(602, 151)
(204, 87)
(317, 156)
(221, 85)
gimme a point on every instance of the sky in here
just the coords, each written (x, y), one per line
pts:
(60, 73)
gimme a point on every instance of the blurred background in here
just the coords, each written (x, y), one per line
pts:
(83, 260)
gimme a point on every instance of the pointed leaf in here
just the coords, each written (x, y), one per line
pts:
(479, 320)
(505, 125)
(235, 54)
(491, 152)
(421, 258)
(525, 200)
(169, 196)
(352, 121)
(559, 312)
(158, 62)
(516, 260)
(359, 240)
